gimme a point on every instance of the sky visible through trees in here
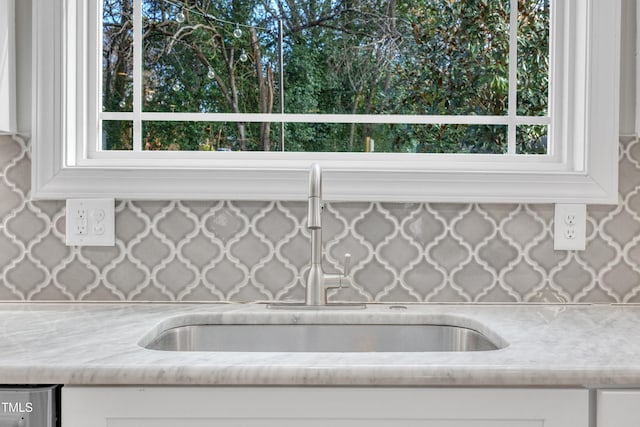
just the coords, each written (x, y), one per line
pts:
(424, 57)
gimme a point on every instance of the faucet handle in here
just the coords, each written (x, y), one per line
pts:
(341, 280)
(346, 267)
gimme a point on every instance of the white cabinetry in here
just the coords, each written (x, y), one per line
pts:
(618, 408)
(322, 406)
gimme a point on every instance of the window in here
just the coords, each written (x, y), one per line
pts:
(169, 98)
(446, 76)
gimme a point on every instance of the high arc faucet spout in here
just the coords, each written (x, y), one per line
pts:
(314, 219)
(315, 290)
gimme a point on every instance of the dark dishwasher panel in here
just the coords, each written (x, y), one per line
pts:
(29, 406)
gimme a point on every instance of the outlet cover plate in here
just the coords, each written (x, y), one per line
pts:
(90, 222)
(570, 227)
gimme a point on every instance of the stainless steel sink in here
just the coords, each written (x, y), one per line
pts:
(321, 338)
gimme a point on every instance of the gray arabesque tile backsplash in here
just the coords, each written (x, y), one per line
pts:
(249, 251)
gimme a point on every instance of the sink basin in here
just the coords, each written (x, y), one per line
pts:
(320, 338)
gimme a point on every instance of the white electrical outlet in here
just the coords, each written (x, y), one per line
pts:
(90, 222)
(570, 227)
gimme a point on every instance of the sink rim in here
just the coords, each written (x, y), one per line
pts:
(342, 317)
(475, 340)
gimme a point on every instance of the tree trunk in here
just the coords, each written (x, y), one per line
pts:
(265, 90)
(368, 127)
(354, 110)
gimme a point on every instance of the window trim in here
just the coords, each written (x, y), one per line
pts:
(583, 168)
(8, 119)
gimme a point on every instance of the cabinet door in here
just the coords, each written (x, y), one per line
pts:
(321, 407)
(618, 408)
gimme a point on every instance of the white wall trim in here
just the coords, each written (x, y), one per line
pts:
(637, 70)
(583, 170)
(8, 120)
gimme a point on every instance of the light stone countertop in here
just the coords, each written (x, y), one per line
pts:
(550, 345)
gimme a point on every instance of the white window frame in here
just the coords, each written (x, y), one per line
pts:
(8, 120)
(582, 166)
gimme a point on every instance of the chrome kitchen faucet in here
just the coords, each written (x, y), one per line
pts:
(318, 282)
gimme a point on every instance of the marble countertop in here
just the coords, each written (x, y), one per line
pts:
(548, 345)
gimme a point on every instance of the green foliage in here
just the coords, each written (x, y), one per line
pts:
(533, 57)
(433, 57)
